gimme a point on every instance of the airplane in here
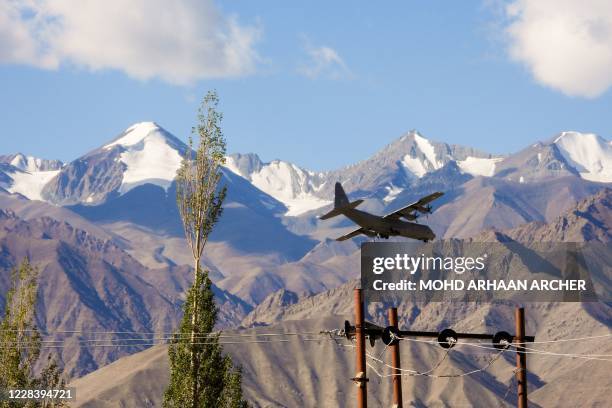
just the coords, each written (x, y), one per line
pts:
(388, 225)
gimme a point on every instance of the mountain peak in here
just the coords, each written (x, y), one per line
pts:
(575, 135)
(26, 163)
(145, 153)
(135, 134)
(145, 124)
(412, 134)
(151, 155)
(243, 164)
(30, 163)
(588, 153)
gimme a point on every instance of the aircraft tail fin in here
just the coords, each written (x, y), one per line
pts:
(340, 199)
(341, 203)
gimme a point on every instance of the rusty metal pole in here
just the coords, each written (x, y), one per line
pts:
(360, 366)
(395, 363)
(521, 358)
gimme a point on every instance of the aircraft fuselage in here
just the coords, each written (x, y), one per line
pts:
(386, 227)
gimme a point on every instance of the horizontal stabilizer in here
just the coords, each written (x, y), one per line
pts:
(340, 210)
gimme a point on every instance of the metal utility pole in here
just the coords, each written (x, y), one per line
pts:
(360, 366)
(521, 358)
(395, 363)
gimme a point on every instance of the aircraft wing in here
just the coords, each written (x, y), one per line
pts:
(351, 234)
(409, 211)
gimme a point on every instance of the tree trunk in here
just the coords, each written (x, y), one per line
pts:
(194, 323)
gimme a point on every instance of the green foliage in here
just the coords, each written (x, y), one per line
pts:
(214, 378)
(198, 198)
(20, 341)
(200, 374)
(232, 392)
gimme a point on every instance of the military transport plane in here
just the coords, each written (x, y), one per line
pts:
(387, 225)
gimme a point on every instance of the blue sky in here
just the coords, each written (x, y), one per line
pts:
(322, 84)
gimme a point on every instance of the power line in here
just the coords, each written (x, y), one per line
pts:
(574, 339)
(136, 333)
(162, 340)
(165, 343)
(585, 356)
(415, 372)
(92, 343)
(533, 342)
(183, 336)
(530, 350)
(412, 373)
(567, 354)
(222, 335)
(541, 352)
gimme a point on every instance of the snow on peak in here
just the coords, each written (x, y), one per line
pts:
(414, 165)
(30, 183)
(290, 185)
(24, 163)
(286, 182)
(589, 154)
(148, 156)
(422, 157)
(135, 134)
(30, 174)
(477, 166)
(428, 150)
(32, 164)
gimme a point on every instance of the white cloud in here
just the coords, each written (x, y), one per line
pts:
(324, 62)
(178, 41)
(565, 44)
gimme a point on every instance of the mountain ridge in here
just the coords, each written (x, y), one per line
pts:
(315, 373)
(126, 162)
(257, 248)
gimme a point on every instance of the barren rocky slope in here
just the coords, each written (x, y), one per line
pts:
(305, 372)
(317, 373)
(89, 283)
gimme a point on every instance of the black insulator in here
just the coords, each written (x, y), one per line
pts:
(502, 340)
(447, 338)
(390, 336)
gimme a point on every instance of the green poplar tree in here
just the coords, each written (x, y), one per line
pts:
(20, 341)
(200, 374)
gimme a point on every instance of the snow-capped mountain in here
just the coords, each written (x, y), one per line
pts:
(288, 183)
(589, 154)
(584, 155)
(407, 164)
(145, 153)
(122, 198)
(30, 163)
(128, 183)
(150, 155)
(269, 225)
(389, 172)
(27, 175)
